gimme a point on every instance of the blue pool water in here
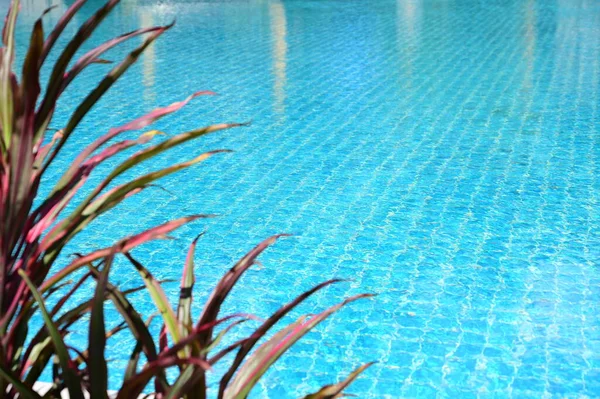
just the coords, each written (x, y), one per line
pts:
(442, 153)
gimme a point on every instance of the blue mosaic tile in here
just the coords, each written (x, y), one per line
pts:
(442, 153)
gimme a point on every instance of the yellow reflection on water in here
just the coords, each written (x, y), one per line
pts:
(408, 26)
(148, 59)
(530, 40)
(410, 16)
(279, 50)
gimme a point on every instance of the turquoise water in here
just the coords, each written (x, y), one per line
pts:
(442, 153)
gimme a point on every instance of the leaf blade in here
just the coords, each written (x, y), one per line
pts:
(184, 307)
(260, 332)
(25, 391)
(124, 245)
(334, 390)
(97, 337)
(71, 380)
(273, 349)
(159, 298)
(6, 76)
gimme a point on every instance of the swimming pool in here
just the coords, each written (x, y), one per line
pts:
(441, 153)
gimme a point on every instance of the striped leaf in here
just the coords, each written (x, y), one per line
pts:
(69, 374)
(25, 391)
(184, 308)
(159, 298)
(269, 352)
(122, 246)
(260, 332)
(7, 56)
(336, 390)
(97, 337)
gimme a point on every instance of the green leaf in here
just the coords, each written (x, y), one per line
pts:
(95, 95)
(260, 332)
(159, 298)
(109, 334)
(97, 337)
(123, 245)
(36, 351)
(56, 78)
(116, 195)
(225, 285)
(174, 141)
(335, 390)
(70, 377)
(134, 358)
(6, 76)
(25, 392)
(212, 307)
(269, 352)
(138, 328)
(60, 26)
(66, 319)
(177, 390)
(184, 308)
(136, 384)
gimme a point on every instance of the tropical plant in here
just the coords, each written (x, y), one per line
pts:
(195, 346)
(35, 229)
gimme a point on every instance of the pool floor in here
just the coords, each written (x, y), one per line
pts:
(442, 153)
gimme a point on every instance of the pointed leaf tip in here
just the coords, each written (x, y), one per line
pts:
(47, 10)
(198, 237)
(204, 93)
(337, 390)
